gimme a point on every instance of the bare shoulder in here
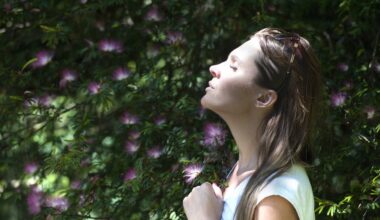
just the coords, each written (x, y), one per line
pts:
(275, 208)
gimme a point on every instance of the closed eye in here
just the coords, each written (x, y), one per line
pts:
(234, 68)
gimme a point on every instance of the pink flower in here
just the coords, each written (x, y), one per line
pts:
(31, 102)
(34, 200)
(201, 111)
(154, 152)
(370, 111)
(131, 147)
(153, 14)
(109, 45)
(75, 184)
(192, 171)
(129, 119)
(159, 120)
(214, 135)
(67, 75)
(375, 66)
(100, 25)
(348, 84)
(174, 37)
(338, 98)
(120, 74)
(43, 57)
(82, 199)
(342, 67)
(45, 100)
(93, 88)
(130, 175)
(30, 167)
(133, 135)
(59, 203)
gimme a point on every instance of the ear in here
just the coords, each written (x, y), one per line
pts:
(266, 99)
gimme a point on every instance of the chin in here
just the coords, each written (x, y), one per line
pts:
(207, 104)
(204, 102)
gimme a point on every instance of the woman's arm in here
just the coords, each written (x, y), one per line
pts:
(275, 208)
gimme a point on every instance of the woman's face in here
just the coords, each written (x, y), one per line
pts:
(232, 88)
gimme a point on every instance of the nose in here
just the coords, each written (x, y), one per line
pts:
(214, 71)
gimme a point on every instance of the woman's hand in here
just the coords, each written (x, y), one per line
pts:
(205, 202)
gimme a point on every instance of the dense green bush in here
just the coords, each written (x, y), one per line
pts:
(100, 114)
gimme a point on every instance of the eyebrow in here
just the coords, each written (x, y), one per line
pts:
(234, 58)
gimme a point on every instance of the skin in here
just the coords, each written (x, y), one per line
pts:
(242, 104)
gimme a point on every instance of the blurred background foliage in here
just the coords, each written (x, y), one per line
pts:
(100, 114)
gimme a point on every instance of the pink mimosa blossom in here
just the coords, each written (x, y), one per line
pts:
(31, 102)
(67, 75)
(75, 184)
(192, 171)
(35, 200)
(154, 152)
(130, 175)
(159, 120)
(129, 119)
(174, 37)
(214, 135)
(202, 111)
(109, 45)
(348, 84)
(370, 111)
(153, 14)
(30, 167)
(120, 73)
(342, 67)
(131, 147)
(375, 66)
(100, 25)
(59, 203)
(43, 57)
(45, 100)
(338, 98)
(93, 88)
(134, 135)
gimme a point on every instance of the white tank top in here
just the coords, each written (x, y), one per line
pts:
(293, 185)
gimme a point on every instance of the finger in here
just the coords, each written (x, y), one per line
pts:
(218, 191)
(206, 184)
(195, 189)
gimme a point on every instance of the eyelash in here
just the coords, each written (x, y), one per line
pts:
(233, 68)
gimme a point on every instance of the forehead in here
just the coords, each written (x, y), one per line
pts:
(247, 51)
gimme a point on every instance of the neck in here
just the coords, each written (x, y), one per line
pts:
(244, 129)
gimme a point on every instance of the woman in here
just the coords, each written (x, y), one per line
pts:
(267, 91)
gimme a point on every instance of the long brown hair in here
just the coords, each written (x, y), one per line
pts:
(288, 65)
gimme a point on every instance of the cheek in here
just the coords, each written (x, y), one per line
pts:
(236, 95)
(238, 89)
